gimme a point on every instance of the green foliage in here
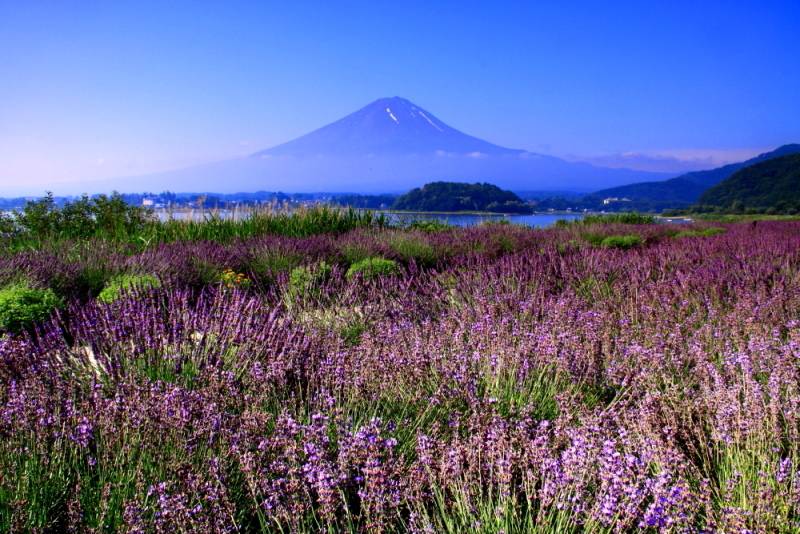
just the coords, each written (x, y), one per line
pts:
(7, 224)
(505, 243)
(774, 183)
(372, 268)
(428, 225)
(678, 194)
(713, 231)
(101, 216)
(351, 332)
(413, 247)
(678, 189)
(593, 238)
(39, 218)
(42, 221)
(592, 289)
(125, 283)
(611, 218)
(448, 196)
(90, 281)
(355, 250)
(21, 306)
(623, 242)
(301, 223)
(688, 233)
(230, 279)
(704, 232)
(266, 264)
(496, 222)
(307, 279)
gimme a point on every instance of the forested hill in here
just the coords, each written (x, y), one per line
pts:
(449, 196)
(715, 176)
(771, 183)
(676, 189)
(688, 187)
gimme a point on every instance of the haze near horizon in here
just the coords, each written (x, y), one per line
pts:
(100, 90)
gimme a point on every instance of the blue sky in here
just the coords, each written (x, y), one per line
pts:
(99, 89)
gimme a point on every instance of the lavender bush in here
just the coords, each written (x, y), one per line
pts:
(513, 380)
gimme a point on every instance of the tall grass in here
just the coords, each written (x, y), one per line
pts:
(299, 223)
(42, 223)
(610, 218)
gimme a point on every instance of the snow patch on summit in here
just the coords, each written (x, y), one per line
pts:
(389, 111)
(430, 121)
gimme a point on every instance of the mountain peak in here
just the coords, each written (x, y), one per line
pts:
(388, 126)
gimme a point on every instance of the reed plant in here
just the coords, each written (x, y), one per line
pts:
(42, 223)
(299, 223)
(608, 218)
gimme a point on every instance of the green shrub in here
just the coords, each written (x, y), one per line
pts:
(413, 247)
(495, 222)
(352, 331)
(623, 242)
(430, 226)
(266, 264)
(122, 284)
(91, 280)
(695, 233)
(354, 251)
(7, 225)
(623, 218)
(688, 233)
(424, 223)
(21, 306)
(373, 268)
(307, 279)
(504, 242)
(86, 217)
(230, 279)
(593, 238)
(713, 231)
(618, 218)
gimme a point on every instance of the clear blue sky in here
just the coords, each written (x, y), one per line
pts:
(97, 89)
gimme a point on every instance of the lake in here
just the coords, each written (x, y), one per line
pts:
(540, 220)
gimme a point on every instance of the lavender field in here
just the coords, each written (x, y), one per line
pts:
(492, 379)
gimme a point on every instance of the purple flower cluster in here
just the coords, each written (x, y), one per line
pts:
(528, 383)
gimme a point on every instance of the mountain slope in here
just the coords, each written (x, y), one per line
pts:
(675, 190)
(764, 184)
(715, 176)
(388, 126)
(390, 145)
(688, 187)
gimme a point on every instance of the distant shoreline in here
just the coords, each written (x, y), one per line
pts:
(483, 213)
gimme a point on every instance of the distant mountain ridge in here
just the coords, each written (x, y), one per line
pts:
(687, 188)
(389, 146)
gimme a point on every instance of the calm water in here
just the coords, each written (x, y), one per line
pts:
(540, 220)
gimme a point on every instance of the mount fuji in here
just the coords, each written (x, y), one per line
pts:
(391, 145)
(387, 127)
